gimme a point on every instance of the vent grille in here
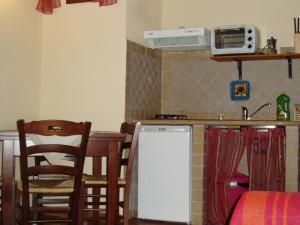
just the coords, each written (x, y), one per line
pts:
(176, 42)
(179, 39)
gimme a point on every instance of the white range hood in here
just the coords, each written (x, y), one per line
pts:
(182, 39)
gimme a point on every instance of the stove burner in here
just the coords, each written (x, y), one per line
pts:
(170, 117)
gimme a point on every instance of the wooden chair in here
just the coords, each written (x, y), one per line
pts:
(95, 198)
(63, 183)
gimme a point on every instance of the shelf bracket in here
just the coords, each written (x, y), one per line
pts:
(290, 68)
(239, 66)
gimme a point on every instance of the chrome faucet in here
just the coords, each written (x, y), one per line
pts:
(245, 112)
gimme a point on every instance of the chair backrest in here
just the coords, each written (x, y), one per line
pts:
(52, 129)
(127, 159)
(128, 148)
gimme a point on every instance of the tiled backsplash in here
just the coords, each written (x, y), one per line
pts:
(198, 86)
(192, 84)
(143, 82)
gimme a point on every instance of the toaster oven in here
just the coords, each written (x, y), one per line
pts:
(234, 39)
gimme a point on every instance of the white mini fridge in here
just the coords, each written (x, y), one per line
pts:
(164, 173)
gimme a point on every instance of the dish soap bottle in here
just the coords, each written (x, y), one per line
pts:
(283, 107)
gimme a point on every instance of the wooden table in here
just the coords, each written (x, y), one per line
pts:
(100, 144)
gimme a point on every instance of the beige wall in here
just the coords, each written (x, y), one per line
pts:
(20, 48)
(81, 74)
(83, 64)
(142, 15)
(272, 17)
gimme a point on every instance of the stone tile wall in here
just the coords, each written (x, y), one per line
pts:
(197, 174)
(292, 153)
(143, 82)
(199, 87)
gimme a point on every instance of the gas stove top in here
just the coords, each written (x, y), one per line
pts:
(170, 117)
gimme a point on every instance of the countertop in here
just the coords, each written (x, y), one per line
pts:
(222, 122)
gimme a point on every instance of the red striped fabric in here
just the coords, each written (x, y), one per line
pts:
(267, 208)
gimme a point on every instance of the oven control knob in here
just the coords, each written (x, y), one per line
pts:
(249, 46)
(249, 38)
(249, 31)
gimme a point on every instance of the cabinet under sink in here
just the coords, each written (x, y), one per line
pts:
(264, 147)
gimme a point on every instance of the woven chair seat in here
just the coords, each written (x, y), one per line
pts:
(49, 186)
(53, 177)
(99, 180)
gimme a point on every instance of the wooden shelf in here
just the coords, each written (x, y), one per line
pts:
(256, 57)
(230, 58)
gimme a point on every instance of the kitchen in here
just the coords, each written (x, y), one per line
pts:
(42, 53)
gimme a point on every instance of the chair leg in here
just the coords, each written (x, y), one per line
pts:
(80, 206)
(96, 200)
(20, 214)
(35, 202)
(126, 208)
(17, 203)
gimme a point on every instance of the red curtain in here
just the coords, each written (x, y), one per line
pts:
(266, 158)
(47, 6)
(224, 150)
